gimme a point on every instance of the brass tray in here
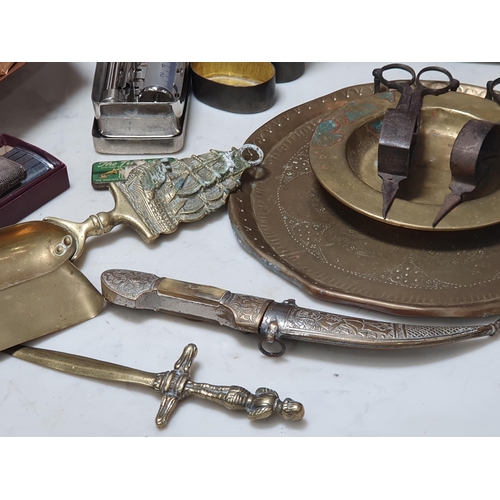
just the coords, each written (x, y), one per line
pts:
(344, 150)
(285, 218)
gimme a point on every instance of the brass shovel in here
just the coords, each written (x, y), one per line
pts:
(41, 291)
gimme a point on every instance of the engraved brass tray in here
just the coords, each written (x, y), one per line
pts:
(285, 218)
(344, 150)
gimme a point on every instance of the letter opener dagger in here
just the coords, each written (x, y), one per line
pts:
(273, 321)
(174, 385)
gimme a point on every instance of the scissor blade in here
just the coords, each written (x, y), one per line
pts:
(390, 187)
(450, 202)
(394, 153)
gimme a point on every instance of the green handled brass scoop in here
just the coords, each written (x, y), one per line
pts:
(42, 292)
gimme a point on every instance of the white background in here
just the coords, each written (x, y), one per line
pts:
(443, 391)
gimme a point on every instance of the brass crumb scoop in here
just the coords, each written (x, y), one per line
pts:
(173, 385)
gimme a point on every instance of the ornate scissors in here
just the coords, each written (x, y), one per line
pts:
(401, 125)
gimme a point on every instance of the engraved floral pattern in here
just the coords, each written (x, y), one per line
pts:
(247, 309)
(311, 322)
(130, 284)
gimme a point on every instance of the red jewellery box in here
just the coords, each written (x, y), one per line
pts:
(46, 177)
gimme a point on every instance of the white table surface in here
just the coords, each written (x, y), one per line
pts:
(443, 391)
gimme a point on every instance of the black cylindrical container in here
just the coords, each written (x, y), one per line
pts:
(235, 87)
(288, 71)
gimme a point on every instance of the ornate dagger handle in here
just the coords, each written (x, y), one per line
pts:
(258, 406)
(173, 385)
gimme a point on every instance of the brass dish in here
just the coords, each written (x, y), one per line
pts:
(285, 218)
(343, 155)
(239, 87)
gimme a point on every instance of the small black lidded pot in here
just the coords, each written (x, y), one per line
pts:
(288, 71)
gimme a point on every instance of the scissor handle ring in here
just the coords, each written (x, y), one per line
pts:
(491, 93)
(452, 82)
(379, 77)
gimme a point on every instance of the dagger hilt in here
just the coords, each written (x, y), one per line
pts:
(176, 385)
(258, 406)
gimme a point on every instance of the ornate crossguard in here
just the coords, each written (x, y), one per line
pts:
(173, 385)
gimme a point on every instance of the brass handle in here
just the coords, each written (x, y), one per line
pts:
(104, 222)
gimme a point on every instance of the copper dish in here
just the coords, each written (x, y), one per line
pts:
(285, 218)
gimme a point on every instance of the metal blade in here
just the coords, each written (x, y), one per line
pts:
(390, 187)
(80, 365)
(451, 201)
(394, 153)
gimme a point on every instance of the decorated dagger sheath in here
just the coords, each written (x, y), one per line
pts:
(272, 321)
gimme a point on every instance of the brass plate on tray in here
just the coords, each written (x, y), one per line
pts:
(285, 218)
(344, 150)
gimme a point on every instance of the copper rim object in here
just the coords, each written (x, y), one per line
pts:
(285, 218)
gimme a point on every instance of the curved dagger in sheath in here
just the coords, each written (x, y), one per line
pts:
(273, 321)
